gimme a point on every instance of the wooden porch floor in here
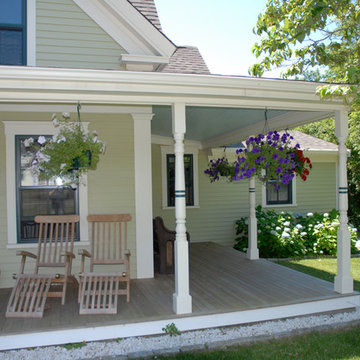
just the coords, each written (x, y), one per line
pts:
(221, 280)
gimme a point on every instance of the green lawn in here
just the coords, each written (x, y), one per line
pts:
(324, 268)
(336, 344)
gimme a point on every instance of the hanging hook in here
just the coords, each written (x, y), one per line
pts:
(78, 107)
(266, 124)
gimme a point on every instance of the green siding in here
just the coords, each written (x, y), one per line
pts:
(110, 187)
(67, 37)
(222, 203)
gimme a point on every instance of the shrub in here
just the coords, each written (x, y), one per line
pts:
(284, 235)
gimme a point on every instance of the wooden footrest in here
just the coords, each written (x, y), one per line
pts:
(99, 293)
(28, 297)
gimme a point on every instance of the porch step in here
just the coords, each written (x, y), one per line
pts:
(99, 293)
(28, 297)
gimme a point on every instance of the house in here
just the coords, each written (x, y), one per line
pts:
(155, 104)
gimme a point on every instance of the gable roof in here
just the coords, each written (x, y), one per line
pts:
(148, 9)
(307, 142)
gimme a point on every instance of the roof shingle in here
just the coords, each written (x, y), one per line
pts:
(148, 9)
(186, 60)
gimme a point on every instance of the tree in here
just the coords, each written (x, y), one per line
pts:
(304, 36)
(318, 40)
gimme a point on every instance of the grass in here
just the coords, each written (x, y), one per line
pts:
(341, 344)
(323, 268)
(337, 344)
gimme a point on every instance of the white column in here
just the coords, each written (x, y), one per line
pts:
(143, 195)
(343, 280)
(182, 303)
(252, 251)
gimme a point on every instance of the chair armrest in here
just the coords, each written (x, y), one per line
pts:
(68, 254)
(26, 253)
(84, 252)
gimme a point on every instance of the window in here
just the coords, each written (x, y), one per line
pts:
(285, 196)
(12, 32)
(23, 193)
(189, 179)
(168, 176)
(34, 197)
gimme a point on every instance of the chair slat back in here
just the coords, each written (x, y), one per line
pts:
(108, 238)
(56, 235)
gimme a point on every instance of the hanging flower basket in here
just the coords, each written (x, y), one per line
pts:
(267, 157)
(69, 154)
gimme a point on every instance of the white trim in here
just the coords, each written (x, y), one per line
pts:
(186, 323)
(143, 195)
(120, 87)
(263, 197)
(189, 149)
(127, 27)
(169, 141)
(35, 246)
(71, 108)
(145, 62)
(31, 33)
(13, 128)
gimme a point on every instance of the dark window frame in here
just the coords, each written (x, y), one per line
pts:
(189, 181)
(19, 28)
(288, 201)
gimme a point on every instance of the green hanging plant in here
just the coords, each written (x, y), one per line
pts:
(69, 154)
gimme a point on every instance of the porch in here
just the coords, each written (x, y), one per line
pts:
(226, 289)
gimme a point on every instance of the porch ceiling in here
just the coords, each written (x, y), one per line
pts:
(214, 126)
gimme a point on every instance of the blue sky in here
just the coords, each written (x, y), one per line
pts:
(222, 30)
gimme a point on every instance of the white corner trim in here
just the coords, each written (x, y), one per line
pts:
(165, 150)
(263, 197)
(127, 27)
(13, 128)
(31, 33)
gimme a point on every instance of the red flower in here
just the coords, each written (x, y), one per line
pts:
(303, 177)
(310, 166)
(306, 172)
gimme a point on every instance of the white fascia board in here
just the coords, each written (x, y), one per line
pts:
(23, 84)
(127, 27)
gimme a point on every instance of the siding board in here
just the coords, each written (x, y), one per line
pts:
(67, 37)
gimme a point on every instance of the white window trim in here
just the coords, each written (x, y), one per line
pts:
(292, 204)
(13, 128)
(31, 33)
(165, 150)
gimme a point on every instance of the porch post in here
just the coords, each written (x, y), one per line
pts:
(182, 303)
(252, 251)
(343, 281)
(143, 195)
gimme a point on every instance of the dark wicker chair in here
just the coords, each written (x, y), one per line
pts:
(164, 247)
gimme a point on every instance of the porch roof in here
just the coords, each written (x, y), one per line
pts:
(220, 109)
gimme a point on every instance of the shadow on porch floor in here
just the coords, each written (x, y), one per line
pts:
(222, 280)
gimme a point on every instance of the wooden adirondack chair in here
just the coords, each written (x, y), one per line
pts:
(55, 250)
(98, 291)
